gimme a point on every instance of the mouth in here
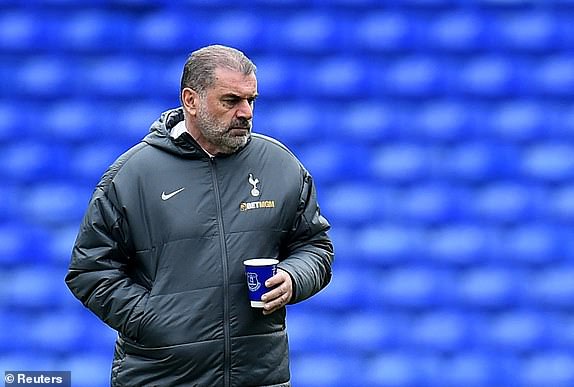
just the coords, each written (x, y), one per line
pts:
(239, 130)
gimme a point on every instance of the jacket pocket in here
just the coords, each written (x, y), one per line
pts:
(192, 364)
(260, 360)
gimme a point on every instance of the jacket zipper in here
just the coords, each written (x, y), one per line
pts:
(224, 260)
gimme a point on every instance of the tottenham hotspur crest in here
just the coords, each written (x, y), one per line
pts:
(255, 192)
(254, 181)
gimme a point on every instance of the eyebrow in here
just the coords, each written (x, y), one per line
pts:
(234, 95)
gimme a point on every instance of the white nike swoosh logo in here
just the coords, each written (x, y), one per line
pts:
(165, 196)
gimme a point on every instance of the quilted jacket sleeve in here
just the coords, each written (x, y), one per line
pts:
(97, 273)
(309, 251)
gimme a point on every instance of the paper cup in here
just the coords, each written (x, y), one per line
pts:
(257, 271)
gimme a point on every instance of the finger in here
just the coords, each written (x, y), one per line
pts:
(276, 279)
(275, 304)
(274, 293)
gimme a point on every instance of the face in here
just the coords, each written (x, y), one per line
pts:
(224, 113)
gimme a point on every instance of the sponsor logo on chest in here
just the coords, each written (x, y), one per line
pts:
(256, 193)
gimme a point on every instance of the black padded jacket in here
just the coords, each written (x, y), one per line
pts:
(159, 258)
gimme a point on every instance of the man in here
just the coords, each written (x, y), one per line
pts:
(159, 253)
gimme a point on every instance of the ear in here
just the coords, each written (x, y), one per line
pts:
(190, 100)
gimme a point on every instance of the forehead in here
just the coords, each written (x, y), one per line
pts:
(235, 82)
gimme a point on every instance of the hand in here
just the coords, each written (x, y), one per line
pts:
(281, 293)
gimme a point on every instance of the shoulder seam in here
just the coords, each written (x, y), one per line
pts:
(274, 142)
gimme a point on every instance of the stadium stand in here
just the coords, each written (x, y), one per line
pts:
(440, 134)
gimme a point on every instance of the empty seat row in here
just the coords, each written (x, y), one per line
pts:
(414, 288)
(496, 126)
(302, 30)
(403, 368)
(334, 77)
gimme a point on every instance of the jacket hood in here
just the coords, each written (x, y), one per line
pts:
(183, 146)
(158, 136)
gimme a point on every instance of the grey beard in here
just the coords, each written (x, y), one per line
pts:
(218, 134)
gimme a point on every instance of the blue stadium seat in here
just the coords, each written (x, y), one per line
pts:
(96, 336)
(114, 76)
(519, 121)
(427, 203)
(91, 161)
(515, 331)
(412, 287)
(440, 134)
(368, 121)
(27, 161)
(552, 286)
(58, 247)
(352, 202)
(247, 31)
(388, 243)
(311, 331)
(57, 330)
(415, 76)
(338, 77)
(88, 370)
(555, 75)
(478, 161)
(275, 78)
(350, 289)
(77, 121)
(33, 287)
(369, 333)
(487, 76)
(94, 31)
(552, 162)
(560, 205)
(159, 31)
(324, 369)
(548, 368)
(21, 360)
(331, 161)
(529, 31)
(19, 30)
(136, 119)
(10, 194)
(459, 30)
(12, 243)
(54, 203)
(304, 32)
(442, 121)
(401, 163)
(383, 31)
(439, 331)
(488, 287)
(393, 369)
(20, 242)
(532, 243)
(290, 122)
(472, 368)
(505, 202)
(565, 117)
(459, 243)
(44, 77)
(346, 239)
(561, 335)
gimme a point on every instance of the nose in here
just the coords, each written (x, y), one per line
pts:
(245, 110)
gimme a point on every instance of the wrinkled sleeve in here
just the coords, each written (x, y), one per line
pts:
(309, 250)
(97, 272)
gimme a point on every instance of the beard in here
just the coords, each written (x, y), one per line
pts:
(219, 133)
